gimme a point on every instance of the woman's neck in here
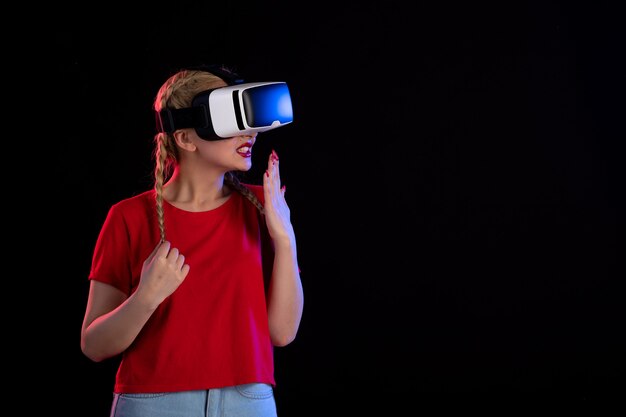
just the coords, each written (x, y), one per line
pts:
(196, 194)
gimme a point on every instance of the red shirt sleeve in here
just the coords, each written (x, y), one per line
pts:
(110, 261)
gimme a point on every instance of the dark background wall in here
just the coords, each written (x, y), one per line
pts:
(454, 172)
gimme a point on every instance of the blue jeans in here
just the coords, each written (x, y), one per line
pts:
(247, 400)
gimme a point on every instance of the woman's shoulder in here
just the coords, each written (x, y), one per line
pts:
(256, 189)
(136, 203)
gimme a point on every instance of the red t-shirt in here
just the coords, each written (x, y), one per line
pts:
(213, 330)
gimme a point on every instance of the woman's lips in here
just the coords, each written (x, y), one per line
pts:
(245, 150)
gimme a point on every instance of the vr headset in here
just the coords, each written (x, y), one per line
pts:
(235, 110)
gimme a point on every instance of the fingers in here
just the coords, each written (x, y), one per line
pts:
(159, 250)
(173, 254)
(181, 265)
(178, 259)
(274, 161)
(165, 251)
(272, 174)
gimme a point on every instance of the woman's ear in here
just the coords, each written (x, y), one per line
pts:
(183, 140)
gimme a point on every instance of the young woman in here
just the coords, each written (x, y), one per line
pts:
(195, 281)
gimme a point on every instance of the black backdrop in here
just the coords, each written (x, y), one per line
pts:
(454, 173)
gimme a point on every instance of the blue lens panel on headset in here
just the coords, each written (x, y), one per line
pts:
(267, 104)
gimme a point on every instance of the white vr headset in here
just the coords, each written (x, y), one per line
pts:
(234, 110)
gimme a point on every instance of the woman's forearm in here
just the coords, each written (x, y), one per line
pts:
(112, 333)
(286, 299)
